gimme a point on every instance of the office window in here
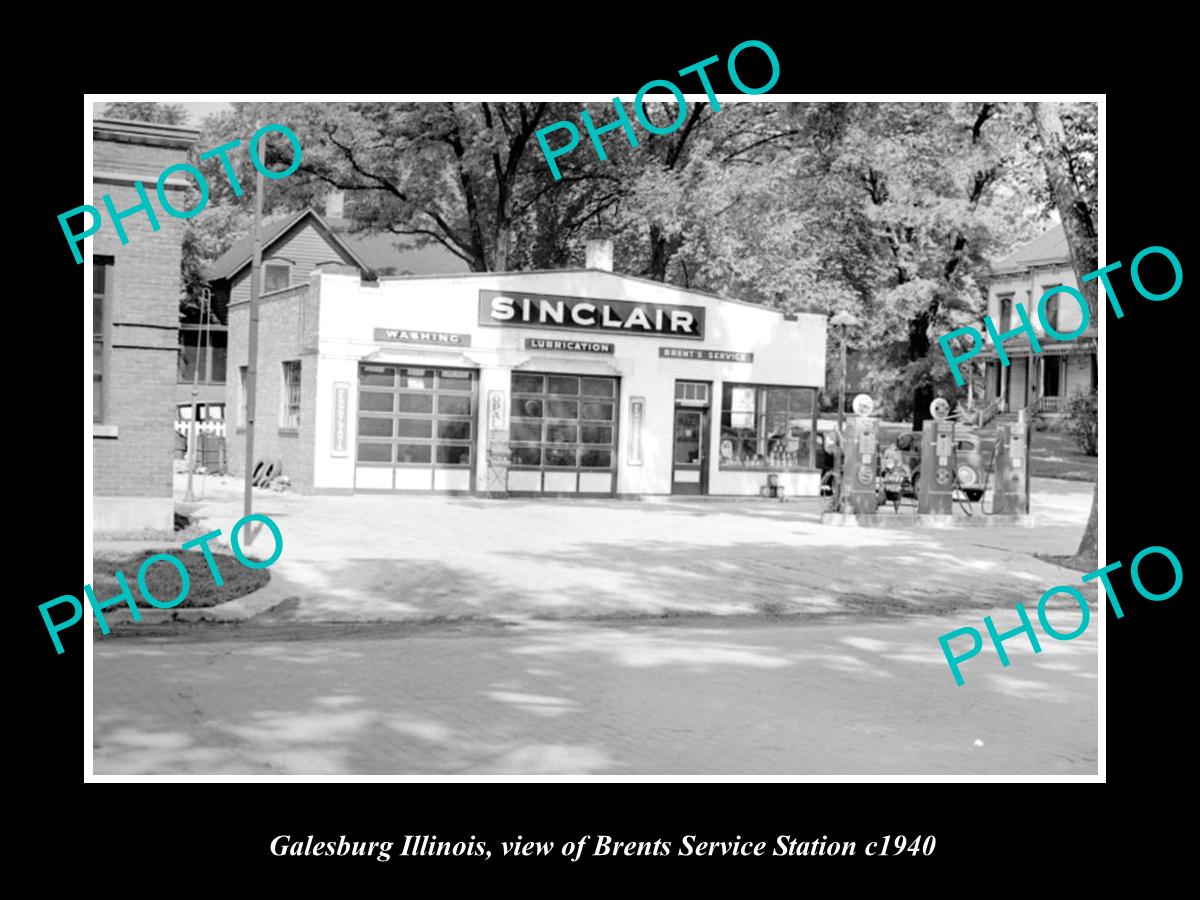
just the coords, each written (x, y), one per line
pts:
(243, 396)
(205, 349)
(276, 276)
(101, 307)
(291, 395)
(765, 426)
(691, 391)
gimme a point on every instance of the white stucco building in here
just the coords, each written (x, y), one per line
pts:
(571, 382)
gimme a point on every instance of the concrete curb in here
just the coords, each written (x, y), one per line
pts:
(246, 607)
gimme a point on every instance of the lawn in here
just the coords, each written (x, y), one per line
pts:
(1054, 454)
(162, 579)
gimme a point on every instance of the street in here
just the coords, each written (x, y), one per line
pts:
(408, 635)
(687, 697)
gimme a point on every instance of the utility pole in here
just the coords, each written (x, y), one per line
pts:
(252, 359)
(205, 295)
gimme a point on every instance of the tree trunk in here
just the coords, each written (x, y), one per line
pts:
(657, 267)
(503, 239)
(1087, 556)
(918, 348)
(922, 397)
(1080, 228)
(1077, 219)
(662, 250)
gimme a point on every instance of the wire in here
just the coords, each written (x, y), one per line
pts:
(988, 474)
(954, 464)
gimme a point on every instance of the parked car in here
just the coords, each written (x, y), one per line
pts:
(901, 465)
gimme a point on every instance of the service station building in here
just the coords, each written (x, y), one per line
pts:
(568, 382)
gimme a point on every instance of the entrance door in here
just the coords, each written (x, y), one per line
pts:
(690, 468)
(1052, 376)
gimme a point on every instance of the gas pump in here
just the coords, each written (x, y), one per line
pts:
(935, 489)
(860, 459)
(1011, 492)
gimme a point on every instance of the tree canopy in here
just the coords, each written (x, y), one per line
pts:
(889, 210)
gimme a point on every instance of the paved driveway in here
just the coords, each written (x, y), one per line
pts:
(383, 557)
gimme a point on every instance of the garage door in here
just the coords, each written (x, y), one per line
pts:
(563, 434)
(416, 428)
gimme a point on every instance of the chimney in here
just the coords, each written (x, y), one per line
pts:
(599, 254)
(335, 204)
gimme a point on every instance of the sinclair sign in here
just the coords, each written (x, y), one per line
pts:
(524, 310)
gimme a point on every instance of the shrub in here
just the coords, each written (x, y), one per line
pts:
(1081, 420)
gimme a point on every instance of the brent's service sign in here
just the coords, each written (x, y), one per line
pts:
(517, 308)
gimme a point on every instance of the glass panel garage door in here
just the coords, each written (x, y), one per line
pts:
(563, 434)
(415, 428)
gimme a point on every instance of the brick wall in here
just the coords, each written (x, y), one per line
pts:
(282, 335)
(141, 160)
(141, 342)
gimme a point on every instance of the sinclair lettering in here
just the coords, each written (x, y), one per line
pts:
(515, 308)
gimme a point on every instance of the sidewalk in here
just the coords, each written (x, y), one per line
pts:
(417, 558)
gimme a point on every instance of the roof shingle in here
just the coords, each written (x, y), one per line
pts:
(1050, 247)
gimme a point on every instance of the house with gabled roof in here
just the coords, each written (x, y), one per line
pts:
(1038, 382)
(293, 247)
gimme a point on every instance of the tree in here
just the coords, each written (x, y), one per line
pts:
(159, 113)
(1070, 191)
(457, 174)
(915, 196)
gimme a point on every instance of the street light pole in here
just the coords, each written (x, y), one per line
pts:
(842, 389)
(205, 293)
(842, 321)
(252, 357)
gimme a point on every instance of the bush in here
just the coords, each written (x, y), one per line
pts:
(1081, 420)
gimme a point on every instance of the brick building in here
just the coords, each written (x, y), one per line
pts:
(294, 245)
(136, 288)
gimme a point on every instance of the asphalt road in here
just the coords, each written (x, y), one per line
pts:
(695, 696)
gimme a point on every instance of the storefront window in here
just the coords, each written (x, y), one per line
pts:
(562, 422)
(767, 427)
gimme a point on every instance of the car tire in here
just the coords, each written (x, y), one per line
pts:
(829, 490)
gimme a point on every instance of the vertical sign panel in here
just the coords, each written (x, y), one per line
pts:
(497, 447)
(341, 416)
(637, 412)
(497, 421)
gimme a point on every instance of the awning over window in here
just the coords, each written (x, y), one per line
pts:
(406, 357)
(569, 364)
